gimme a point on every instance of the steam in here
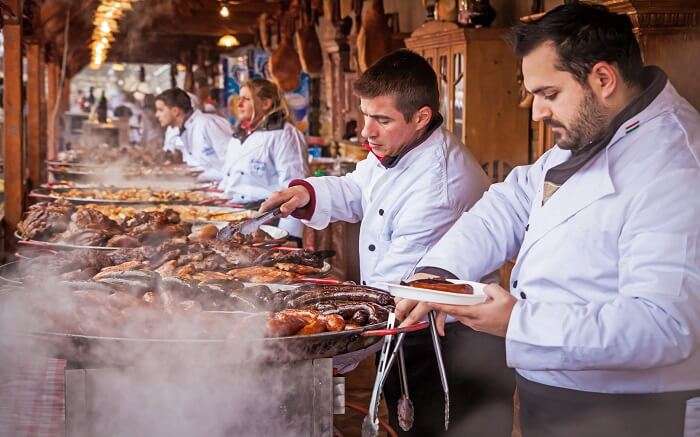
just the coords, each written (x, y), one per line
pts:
(122, 174)
(149, 387)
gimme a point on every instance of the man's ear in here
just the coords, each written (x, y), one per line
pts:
(422, 117)
(604, 79)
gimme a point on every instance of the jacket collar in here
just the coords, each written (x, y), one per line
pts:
(392, 161)
(273, 121)
(189, 119)
(654, 82)
(593, 181)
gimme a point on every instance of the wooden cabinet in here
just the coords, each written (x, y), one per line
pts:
(479, 92)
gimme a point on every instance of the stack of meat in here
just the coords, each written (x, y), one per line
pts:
(126, 293)
(312, 309)
(62, 222)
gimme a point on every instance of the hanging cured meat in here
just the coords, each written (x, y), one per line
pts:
(285, 66)
(374, 38)
(264, 31)
(309, 46)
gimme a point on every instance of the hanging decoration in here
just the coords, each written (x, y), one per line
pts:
(106, 23)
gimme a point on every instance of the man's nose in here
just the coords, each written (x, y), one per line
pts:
(540, 109)
(368, 130)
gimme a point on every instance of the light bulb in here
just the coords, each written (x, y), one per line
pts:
(224, 11)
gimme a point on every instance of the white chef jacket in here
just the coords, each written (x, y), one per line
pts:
(404, 209)
(204, 142)
(608, 269)
(172, 140)
(266, 161)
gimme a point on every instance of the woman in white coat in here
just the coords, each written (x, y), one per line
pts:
(266, 151)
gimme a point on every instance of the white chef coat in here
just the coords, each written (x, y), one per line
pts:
(204, 142)
(608, 269)
(172, 140)
(404, 209)
(266, 161)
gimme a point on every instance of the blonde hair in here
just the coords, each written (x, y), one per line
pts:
(264, 89)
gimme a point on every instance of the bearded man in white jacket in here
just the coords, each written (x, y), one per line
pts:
(602, 319)
(416, 181)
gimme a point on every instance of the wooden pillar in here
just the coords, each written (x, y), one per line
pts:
(14, 124)
(65, 97)
(53, 73)
(36, 149)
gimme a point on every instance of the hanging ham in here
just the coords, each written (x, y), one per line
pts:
(285, 66)
(374, 38)
(309, 46)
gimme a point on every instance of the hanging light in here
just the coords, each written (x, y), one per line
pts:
(224, 12)
(228, 41)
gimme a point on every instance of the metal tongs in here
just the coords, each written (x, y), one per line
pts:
(370, 425)
(441, 367)
(247, 227)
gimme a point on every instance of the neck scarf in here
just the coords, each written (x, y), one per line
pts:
(654, 80)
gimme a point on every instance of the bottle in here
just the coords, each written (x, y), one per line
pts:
(102, 109)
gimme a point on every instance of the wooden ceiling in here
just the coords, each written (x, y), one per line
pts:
(155, 31)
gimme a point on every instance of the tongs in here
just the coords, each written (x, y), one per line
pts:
(246, 227)
(441, 367)
(370, 425)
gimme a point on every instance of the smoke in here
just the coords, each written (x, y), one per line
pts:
(191, 376)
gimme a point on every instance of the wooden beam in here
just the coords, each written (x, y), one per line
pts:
(36, 149)
(13, 129)
(205, 26)
(53, 73)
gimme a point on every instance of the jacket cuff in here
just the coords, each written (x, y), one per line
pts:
(436, 271)
(306, 212)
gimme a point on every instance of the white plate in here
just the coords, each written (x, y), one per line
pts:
(435, 296)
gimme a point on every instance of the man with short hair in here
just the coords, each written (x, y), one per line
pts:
(417, 180)
(602, 322)
(203, 137)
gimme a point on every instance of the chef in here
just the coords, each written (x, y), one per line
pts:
(416, 181)
(203, 137)
(266, 151)
(602, 321)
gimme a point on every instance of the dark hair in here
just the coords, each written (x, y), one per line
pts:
(407, 76)
(176, 98)
(583, 35)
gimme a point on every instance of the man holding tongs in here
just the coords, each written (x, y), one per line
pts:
(416, 182)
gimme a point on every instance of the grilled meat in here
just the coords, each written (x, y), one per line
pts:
(45, 219)
(264, 275)
(300, 257)
(322, 293)
(441, 285)
(89, 228)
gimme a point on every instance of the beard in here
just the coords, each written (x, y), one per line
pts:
(592, 120)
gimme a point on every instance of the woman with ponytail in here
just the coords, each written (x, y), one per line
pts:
(266, 152)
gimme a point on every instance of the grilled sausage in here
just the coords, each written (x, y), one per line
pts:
(349, 295)
(284, 325)
(333, 322)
